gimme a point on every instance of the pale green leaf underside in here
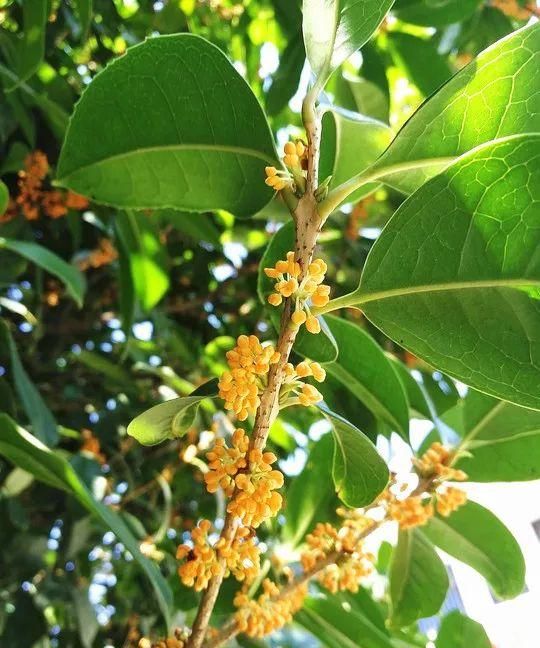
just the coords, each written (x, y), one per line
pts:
(493, 97)
(454, 276)
(476, 537)
(170, 124)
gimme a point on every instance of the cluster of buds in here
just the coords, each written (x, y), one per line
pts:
(249, 363)
(352, 563)
(410, 512)
(270, 611)
(104, 254)
(294, 158)
(436, 464)
(32, 198)
(239, 556)
(305, 291)
(515, 9)
(179, 640)
(449, 499)
(247, 478)
(296, 392)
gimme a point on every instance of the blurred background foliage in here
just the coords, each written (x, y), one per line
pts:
(166, 295)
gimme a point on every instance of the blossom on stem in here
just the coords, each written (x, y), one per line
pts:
(436, 463)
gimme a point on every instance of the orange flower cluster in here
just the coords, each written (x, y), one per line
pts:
(449, 500)
(32, 197)
(269, 611)
(104, 254)
(513, 9)
(436, 464)
(410, 512)
(256, 499)
(240, 556)
(353, 563)
(295, 157)
(306, 291)
(249, 363)
(296, 392)
(179, 640)
(224, 462)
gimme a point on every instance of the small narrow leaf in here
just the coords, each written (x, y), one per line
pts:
(41, 256)
(418, 579)
(4, 197)
(169, 124)
(31, 49)
(475, 536)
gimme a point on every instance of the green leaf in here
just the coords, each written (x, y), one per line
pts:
(359, 95)
(99, 363)
(459, 631)
(286, 80)
(435, 14)
(364, 369)
(360, 474)
(4, 197)
(171, 419)
(418, 401)
(350, 143)
(339, 626)
(411, 53)
(335, 29)
(169, 124)
(40, 416)
(454, 276)
(321, 347)
(502, 440)
(147, 258)
(31, 48)
(41, 256)
(489, 99)
(25, 451)
(310, 494)
(198, 228)
(84, 11)
(475, 536)
(418, 579)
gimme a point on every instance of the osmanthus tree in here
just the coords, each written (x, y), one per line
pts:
(171, 132)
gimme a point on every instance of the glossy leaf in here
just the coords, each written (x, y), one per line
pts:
(498, 85)
(502, 440)
(350, 143)
(335, 29)
(337, 627)
(435, 14)
(475, 536)
(459, 631)
(171, 419)
(321, 347)
(360, 474)
(170, 124)
(418, 579)
(43, 424)
(454, 276)
(311, 493)
(147, 259)
(27, 452)
(72, 278)
(363, 368)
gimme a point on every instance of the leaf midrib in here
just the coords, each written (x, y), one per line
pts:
(200, 148)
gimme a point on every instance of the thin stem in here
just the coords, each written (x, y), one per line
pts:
(308, 224)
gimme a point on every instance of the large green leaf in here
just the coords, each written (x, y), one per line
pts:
(364, 369)
(502, 440)
(459, 631)
(338, 627)
(418, 579)
(475, 536)
(146, 255)
(31, 48)
(171, 419)
(335, 29)
(435, 14)
(25, 451)
(43, 424)
(349, 144)
(321, 347)
(310, 493)
(491, 98)
(455, 275)
(360, 474)
(170, 124)
(4, 197)
(49, 261)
